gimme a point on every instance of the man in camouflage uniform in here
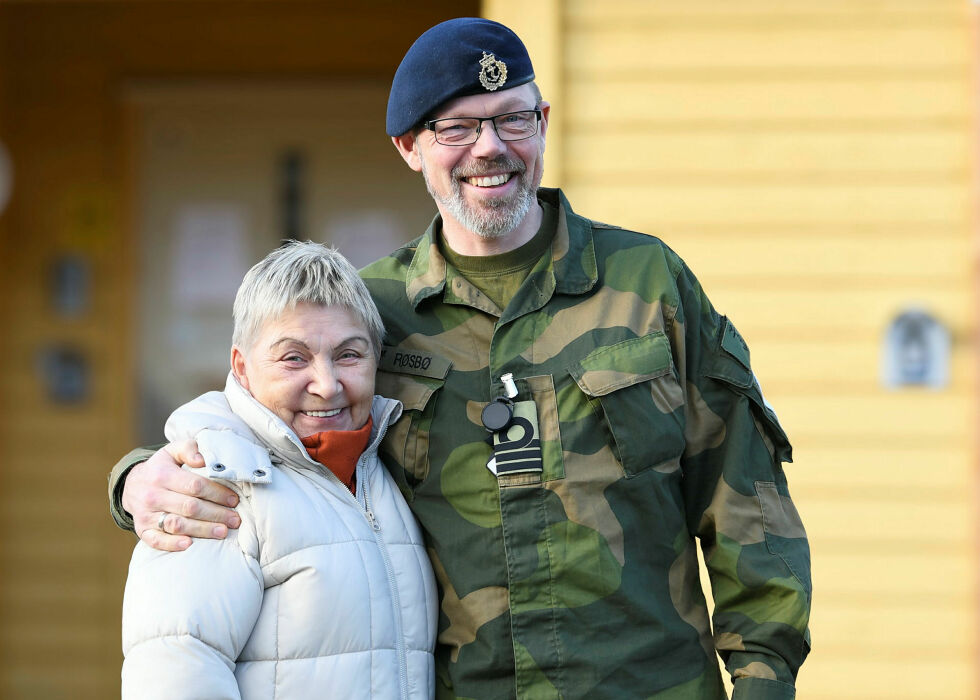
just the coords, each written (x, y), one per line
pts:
(563, 539)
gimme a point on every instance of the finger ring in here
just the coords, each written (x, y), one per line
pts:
(160, 527)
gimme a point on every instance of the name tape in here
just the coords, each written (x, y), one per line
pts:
(421, 364)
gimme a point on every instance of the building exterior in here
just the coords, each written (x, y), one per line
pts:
(814, 163)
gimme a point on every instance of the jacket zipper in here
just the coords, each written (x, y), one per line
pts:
(385, 557)
(392, 584)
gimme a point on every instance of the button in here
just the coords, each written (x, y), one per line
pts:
(497, 415)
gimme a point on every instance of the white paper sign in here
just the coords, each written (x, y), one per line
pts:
(209, 255)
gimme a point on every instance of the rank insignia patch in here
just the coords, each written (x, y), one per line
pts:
(518, 448)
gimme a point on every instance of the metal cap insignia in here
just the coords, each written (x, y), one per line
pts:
(493, 73)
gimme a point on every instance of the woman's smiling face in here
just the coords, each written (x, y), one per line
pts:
(313, 366)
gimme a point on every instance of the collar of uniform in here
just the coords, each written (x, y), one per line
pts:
(572, 249)
(573, 255)
(427, 272)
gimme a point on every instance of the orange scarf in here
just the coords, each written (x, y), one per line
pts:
(339, 450)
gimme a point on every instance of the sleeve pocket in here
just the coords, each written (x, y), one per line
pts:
(785, 536)
(730, 365)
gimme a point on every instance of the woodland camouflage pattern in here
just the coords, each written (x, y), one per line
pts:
(582, 582)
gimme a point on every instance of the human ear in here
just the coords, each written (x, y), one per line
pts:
(407, 146)
(545, 114)
(238, 366)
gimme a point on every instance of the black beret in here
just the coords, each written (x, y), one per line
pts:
(463, 56)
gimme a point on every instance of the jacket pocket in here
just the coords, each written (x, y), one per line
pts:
(406, 445)
(730, 365)
(635, 384)
(785, 536)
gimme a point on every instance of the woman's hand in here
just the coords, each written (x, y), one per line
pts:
(170, 505)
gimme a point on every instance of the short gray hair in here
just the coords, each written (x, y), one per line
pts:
(302, 272)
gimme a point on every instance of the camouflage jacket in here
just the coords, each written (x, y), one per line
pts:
(579, 579)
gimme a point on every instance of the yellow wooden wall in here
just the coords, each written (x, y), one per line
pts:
(814, 162)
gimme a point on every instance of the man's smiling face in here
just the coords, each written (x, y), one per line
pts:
(489, 186)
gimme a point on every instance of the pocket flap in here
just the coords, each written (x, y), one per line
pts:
(228, 455)
(730, 365)
(629, 362)
(414, 392)
(731, 362)
(410, 375)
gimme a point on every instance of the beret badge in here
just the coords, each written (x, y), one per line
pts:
(493, 73)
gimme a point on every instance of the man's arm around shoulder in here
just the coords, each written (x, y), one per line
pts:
(150, 494)
(117, 481)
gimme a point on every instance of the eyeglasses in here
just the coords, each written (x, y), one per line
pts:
(463, 131)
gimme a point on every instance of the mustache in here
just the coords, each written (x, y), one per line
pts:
(486, 167)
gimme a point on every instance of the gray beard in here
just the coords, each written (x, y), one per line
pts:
(499, 216)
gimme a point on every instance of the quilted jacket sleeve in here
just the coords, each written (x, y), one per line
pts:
(187, 616)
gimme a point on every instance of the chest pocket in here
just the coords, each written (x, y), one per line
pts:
(414, 378)
(636, 385)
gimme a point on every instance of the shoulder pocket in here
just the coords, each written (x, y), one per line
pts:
(635, 384)
(730, 365)
(414, 378)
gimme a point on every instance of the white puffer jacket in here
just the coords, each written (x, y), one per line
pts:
(319, 594)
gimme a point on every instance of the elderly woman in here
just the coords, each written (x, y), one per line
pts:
(326, 589)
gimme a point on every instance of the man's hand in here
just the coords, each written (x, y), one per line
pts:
(170, 505)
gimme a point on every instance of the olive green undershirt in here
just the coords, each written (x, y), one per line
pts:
(500, 276)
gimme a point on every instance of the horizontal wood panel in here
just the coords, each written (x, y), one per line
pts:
(940, 230)
(62, 543)
(598, 153)
(837, 307)
(81, 640)
(610, 46)
(98, 415)
(926, 416)
(849, 674)
(831, 597)
(63, 610)
(868, 570)
(604, 102)
(758, 331)
(879, 629)
(882, 471)
(80, 587)
(757, 326)
(73, 475)
(821, 367)
(38, 677)
(946, 521)
(658, 206)
(79, 508)
(861, 261)
(839, 14)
